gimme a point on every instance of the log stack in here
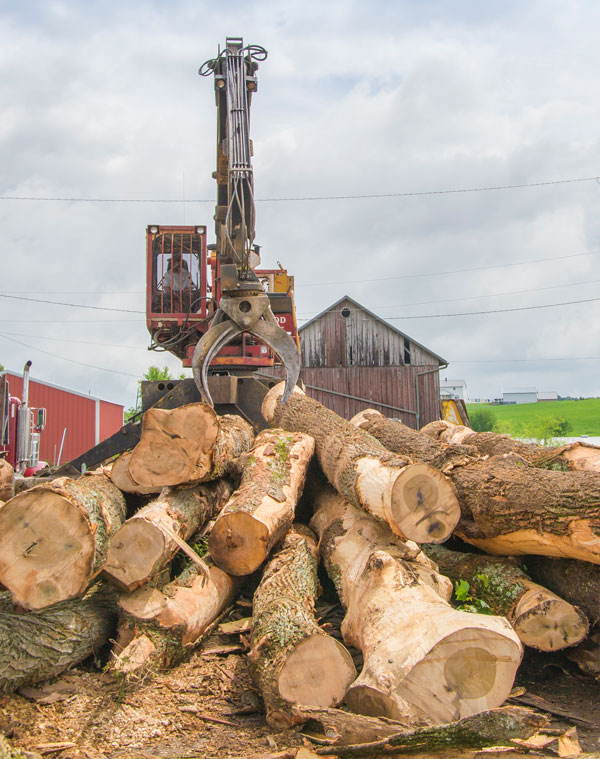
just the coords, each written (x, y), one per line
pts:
(211, 508)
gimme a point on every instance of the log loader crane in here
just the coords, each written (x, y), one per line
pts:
(210, 305)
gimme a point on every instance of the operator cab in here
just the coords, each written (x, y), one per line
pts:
(183, 290)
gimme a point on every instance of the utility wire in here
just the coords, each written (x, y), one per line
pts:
(73, 305)
(467, 297)
(495, 311)
(451, 271)
(70, 360)
(310, 197)
(78, 342)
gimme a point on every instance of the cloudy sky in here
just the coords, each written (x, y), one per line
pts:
(395, 98)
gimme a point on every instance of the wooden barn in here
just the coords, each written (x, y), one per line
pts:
(352, 360)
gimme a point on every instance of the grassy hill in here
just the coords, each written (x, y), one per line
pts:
(583, 416)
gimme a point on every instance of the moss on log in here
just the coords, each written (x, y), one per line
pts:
(54, 538)
(292, 659)
(36, 646)
(540, 618)
(416, 500)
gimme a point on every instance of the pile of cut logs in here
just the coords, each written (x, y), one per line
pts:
(89, 560)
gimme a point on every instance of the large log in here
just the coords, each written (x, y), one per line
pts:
(261, 510)
(35, 646)
(54, 538)
(510, 507)
(162, 626)
(576, 581)
(293, 660)
(416, 500)
(7, 480)
(424, 662)
(145, 543)
(540, 618)
(572, 456)
(186, 445)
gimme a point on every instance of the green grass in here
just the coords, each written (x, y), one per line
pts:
(584, 415)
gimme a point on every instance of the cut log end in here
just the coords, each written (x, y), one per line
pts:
(240, 543)
(546, 622)
(38, 553)
(424, 506)
(121, 477)
(467, 672)
(318, 672)
(137, 539)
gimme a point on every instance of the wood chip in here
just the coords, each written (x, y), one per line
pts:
(568, 744)
(221, 650)
(50, 748)
(236, 626)
(206, 717)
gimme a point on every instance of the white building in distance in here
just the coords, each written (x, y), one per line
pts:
(520, 395)
(455, 389)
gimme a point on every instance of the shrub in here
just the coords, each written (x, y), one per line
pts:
(482, 420)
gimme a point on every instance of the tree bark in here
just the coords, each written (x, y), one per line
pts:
(186, 445)
(162, 626)
(577, 456)
(144, 544)
(7, 480)
(508, 506)
(38, 645)
(424, 662)
(540, 618)
(576, 581)
(293, 660)
(587, 655)
(414, 499)
(261, 510)
(54, 538)
(495, 727)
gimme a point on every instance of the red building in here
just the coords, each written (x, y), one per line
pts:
(86, 419)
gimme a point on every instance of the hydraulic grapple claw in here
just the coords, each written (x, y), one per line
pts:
(269, 333)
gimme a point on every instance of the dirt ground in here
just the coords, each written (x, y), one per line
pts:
(208, 707)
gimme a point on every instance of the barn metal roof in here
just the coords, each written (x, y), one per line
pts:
(375, 316)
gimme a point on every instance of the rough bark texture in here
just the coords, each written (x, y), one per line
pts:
(7, 480)
(573, 456)
(399, 438)
(424, 662)
(38, 645)
(186, 445)
(576, 581)
(495, 727)
(293, 660)
(171, 620)
(54, 538)
(541, 619)
(587, 655)
(509, 507)
(414, 499)
(143, 545)
(261, 510)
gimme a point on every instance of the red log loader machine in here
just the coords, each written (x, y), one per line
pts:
(210, 305)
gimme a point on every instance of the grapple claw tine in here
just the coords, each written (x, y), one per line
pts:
(284, 347)
(206, 349)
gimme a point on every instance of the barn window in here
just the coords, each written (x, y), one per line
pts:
(406, 351)
(345, 312)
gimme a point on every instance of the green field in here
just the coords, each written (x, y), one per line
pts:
(583, 416)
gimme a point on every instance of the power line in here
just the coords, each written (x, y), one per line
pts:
(495, 311)
(521, 360)
(451, 271)
(418, 193)
(79, 342)
(468, 297)
(73, 321)
(70, 360)
(72, 305)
